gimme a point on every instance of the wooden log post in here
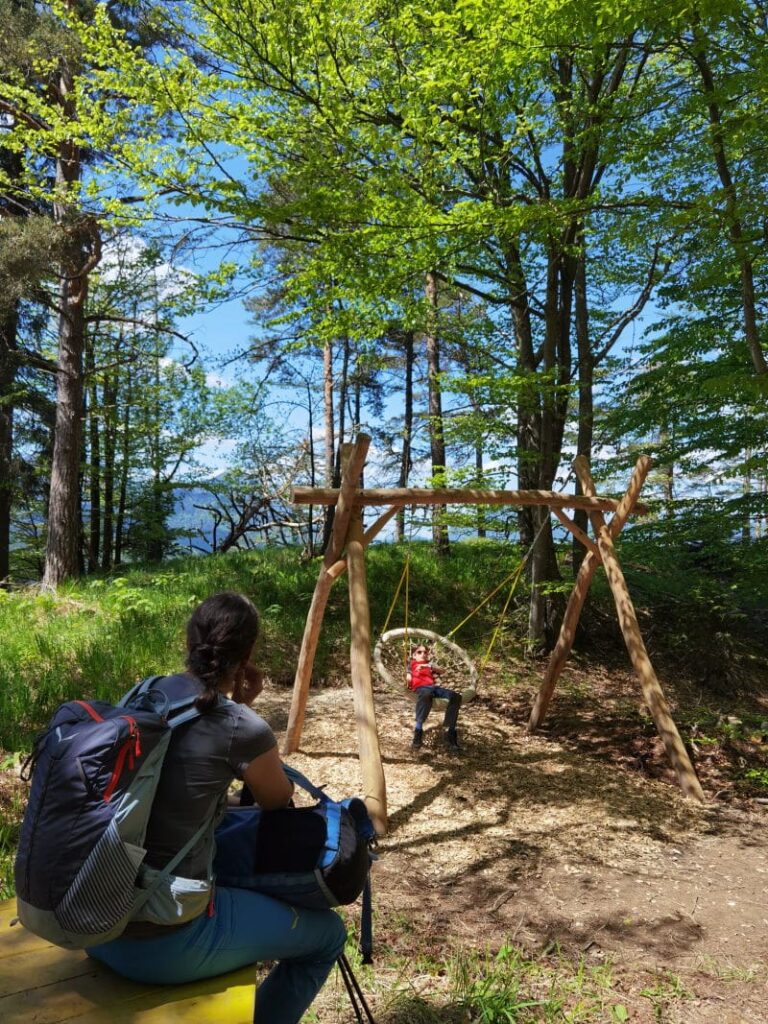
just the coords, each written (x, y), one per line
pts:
(353, 460)
(587, 569)
(630, 627)
(374, 785)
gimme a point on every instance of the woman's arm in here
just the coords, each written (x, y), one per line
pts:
(266, 779)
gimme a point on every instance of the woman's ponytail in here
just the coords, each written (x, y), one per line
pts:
(220, 635)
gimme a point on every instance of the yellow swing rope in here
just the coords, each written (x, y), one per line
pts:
(514, 576)
(517, 574)
(405, 577)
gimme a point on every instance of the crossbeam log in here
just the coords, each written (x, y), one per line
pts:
(456, 496)
(340, 567)
(577, 531)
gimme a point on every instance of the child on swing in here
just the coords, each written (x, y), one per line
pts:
(421, 678)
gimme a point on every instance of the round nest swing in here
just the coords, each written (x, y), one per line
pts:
(393, 652)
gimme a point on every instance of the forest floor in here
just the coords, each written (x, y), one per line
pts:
(624, 900)
(561, 873)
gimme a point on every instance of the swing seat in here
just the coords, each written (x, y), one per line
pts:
(392, 652)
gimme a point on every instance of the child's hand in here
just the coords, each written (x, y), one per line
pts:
(249, 682)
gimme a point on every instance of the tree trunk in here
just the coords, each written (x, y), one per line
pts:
(341, 404)
(312, 473)
(94, 460)
(732, 217)
(746, 524)
(155, 509)
(586, 397)
(8, 368)
(82, 253)
(329, 421)
(405, 454)
(482, 533)
(125, 464)
(534, 449)
(61, 556)
(110, 402)
(436, 435)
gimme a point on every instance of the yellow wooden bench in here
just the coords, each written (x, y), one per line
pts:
(42, 984)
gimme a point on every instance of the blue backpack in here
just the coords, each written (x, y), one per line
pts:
(316, 857)
(79, 873)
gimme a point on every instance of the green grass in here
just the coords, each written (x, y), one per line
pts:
(505, 986)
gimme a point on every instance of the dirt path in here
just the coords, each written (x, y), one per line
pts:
(526, 839)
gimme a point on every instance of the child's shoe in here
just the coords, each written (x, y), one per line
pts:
(452, 741)
(417, 739)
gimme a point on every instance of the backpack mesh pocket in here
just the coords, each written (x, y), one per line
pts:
(102, 892)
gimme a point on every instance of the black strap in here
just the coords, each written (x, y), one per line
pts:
(366, 923)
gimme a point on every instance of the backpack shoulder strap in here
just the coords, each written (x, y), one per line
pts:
(301, 780)
(166, 872)
(140, 688)
(176, 712)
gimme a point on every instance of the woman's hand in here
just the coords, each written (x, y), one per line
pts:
(249, 682)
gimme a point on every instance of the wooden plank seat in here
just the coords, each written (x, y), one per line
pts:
(42, 984)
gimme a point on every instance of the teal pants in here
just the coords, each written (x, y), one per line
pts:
(245, 927)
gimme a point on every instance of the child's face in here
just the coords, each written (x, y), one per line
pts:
(421, 653)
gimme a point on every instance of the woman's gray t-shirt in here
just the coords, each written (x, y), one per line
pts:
(203, 758)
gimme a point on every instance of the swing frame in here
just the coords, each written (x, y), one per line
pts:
(348, 533)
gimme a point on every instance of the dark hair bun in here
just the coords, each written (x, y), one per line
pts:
(220, 634)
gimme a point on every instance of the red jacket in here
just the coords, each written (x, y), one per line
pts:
(421, 675)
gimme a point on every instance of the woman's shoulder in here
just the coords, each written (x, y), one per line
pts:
(246, 719)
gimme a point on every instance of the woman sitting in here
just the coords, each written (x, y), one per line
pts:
(228, 741)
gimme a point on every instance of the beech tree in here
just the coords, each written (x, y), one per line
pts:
(531, 155)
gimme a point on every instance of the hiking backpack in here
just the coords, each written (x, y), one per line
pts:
(316, 857)
(79, 874)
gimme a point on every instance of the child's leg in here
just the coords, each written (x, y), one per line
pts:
(424, 696)
(452, 710)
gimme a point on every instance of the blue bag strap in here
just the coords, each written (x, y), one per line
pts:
(332, 834)
(185, 716)
(301, 780)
